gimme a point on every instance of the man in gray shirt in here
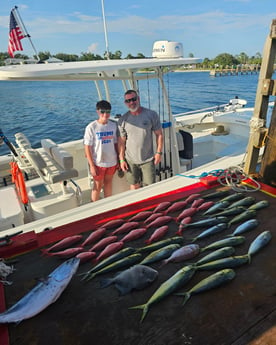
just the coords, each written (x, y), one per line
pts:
(136, 154)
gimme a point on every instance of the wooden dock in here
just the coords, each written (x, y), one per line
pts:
(234, 71)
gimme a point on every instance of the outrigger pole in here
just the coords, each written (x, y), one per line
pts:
(105, 31)
(21, 24)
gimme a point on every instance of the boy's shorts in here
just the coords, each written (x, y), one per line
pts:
(141, 173)
(101, 172)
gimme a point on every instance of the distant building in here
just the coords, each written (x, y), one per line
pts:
(53, 60)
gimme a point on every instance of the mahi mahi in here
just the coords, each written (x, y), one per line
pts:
(43, 294)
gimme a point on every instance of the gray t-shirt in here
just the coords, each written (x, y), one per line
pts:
(138, 131)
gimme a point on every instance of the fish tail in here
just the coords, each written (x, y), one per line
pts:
(249, 258)
(45, 252)
(145, 309)
(163, 263)
(89, 276)
(193, 239)
(105, 282)
(147, 241)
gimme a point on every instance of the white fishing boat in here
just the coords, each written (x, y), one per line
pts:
(56, 184)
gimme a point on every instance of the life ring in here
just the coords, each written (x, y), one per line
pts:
(18, 180)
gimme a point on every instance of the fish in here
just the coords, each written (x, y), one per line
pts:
(103, 243)
(94, 236)
(160, 221)
(259, 205)
(134, 234)
(205, 206)
(109, 250)
(180, 278)
(192, 197)
(217, 194)
(197, 202)
(113, 223)
(217, 254)
(248, 214)
(136, 277)
(157, 234)
(247, 201)
(178, 205)
(231, 211)
(110, 259)
(156, 245)
(162, 206)
(233, 197)
(140, 216)
(124, 262)
(230, 241)
(217, 207)
(159, 254)
(260, 241)
(43, 294)
(206, 222)
(66, 253)
(64, 243)
(152, 217)
(211, 231)
(228, 262)
(246, 226)
(181, 226)
(212, 281)
(86, 256)
(188, 212)
(125, 228)
(181, 254)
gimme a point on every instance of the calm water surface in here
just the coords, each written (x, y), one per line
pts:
(60, 110)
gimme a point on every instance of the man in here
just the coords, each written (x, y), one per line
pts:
(136, 155)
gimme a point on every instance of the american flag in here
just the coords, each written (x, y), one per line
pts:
(15, 36)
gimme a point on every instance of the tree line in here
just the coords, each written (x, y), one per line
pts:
(222, 60)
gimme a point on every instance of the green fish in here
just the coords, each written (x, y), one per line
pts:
(259, 205)
(233, 197)
(180, 278)
(160, 254)
(206, 222)
(260, 241)
(217, 254)
(160, 244)
(230, 241)
(211, 231)
(221, 205)
(247, 201)
(230, 211)
(246, 226)
(209, 283)
(214, 195)
(248, 214)
(228, 262)
(124, 262)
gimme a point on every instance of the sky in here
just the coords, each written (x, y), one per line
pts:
(205, 28)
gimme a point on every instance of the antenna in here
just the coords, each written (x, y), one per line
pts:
(105, 31)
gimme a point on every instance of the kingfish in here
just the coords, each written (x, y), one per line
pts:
(217, 254)
(160, 254)
(230, 241)
(43, 294)
(124, 262)
(259, 242)
(208, 283)
(246, 226)
(211, 231)
(181, 277)
(228, 262)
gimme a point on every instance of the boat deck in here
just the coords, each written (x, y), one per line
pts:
(242, 312)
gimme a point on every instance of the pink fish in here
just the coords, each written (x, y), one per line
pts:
(86, 256)
(186, 213)
(66, 253)
(65, 243)
(103, 243)
(125, 228)
(181, 227)
(94, 236)
(160, 221)
(113, 223)
(157, 234)
(112, 248)
(184, 253)
(192, 197)
(140, 216)
(205, 205)
(197, 202)
(178, 205)
(153, 217)
(162, 206)
(134, 235)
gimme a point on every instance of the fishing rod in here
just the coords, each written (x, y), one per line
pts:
(8, 143)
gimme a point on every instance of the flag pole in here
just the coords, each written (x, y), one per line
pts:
(20, 21)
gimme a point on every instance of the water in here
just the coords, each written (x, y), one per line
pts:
(60, 110)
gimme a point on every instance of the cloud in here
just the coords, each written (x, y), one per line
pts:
(92, 48)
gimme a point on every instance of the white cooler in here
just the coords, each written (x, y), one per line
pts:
(11, 213)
